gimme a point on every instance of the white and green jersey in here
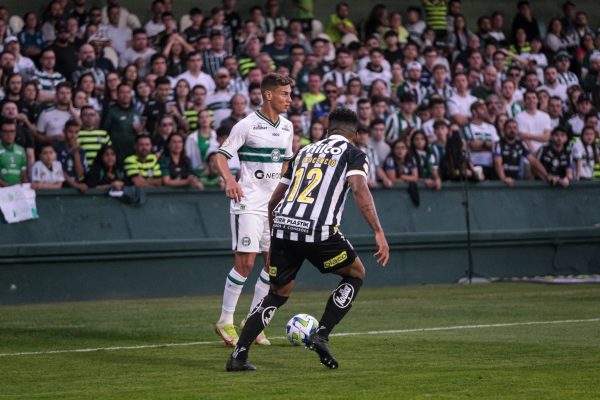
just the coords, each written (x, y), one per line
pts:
(262, 147)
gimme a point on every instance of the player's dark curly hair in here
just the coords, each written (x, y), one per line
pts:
(342, 121)
(343, 116)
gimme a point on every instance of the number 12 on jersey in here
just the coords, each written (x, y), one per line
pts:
(313, 178)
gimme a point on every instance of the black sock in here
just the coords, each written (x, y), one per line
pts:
(339, 304)
(259, 318)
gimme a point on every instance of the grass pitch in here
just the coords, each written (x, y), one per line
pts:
(489, 346)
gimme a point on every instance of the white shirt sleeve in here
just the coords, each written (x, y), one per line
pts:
(236, 139)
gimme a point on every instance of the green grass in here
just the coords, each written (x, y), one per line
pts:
(549, 361)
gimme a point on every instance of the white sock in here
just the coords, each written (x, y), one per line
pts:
(234, 283)
(261, 288)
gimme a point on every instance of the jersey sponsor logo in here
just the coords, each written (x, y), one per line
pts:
(268, 314)
(272, 271)
(324, 148)
(260, 174)
(284, 128)
(293, 224)
(276, 155)
(260, 126)
(343, 256)
(343, 295)
(226, 143)
(246, 241)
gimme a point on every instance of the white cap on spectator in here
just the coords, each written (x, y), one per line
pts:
(595, 56)
(413, 65)
(10, 39)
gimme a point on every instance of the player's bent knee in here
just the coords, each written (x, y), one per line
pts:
(285, 290)
(354, 270)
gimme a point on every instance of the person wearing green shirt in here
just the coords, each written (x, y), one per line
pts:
(123, 123)
(339, 24)
(13, 161)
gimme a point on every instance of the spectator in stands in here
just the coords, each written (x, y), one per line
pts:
(586, 154)
(376, 172)
(51, 122)
(413, 83)
(47, 78)
(123, 123)
(106, 172)
(214, 58)
(199, 143)
(210, 177)
(139, 53)
(556, 159)
(576, 123)
(194, 75)
(114, 28)
(459, 105)
(219, 102)
(124, 17)
(239, 110)
(156, 107)
(154, 26)
(88, 65)
(426, 160)
(165, 127)
(377, 139)
(489, 84)
(23, 65)
(400, 166)
(72, 157)
(510, 154)
(24, 136)
(13, 159)
(524, 20)
(437, 108)
(30, 38)
(142, 168)
(47, 173)
(90, 138)
(340, 25)
(64, 51)
(534, 125)
(398, 123)
(481, 137)
(176, 167)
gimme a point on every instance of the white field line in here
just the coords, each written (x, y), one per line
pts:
(367, 333)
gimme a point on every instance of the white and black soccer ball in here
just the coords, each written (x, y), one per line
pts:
(300, 327)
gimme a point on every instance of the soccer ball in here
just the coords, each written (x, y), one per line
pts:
(300, 327)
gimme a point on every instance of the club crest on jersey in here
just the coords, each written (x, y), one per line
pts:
(276, 155)
(343, 295)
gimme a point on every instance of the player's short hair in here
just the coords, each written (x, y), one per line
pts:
(342, 119)
(273, 80)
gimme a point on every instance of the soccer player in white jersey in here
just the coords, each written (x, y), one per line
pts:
(263, 143)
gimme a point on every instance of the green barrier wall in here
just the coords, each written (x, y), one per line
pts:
(91, 246)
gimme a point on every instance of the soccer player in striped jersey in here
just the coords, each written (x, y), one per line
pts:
(263, 143)
(306, 210)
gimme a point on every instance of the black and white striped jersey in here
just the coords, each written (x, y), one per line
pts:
(313, 204)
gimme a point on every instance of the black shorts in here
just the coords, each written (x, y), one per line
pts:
(287, 257)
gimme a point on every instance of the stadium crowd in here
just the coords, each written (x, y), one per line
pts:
(95, 97)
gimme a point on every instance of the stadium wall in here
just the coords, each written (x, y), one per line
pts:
(93, 246)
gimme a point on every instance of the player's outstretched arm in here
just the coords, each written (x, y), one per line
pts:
(366, 205)
(232, 189)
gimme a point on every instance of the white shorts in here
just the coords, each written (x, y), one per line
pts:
(250, 233)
